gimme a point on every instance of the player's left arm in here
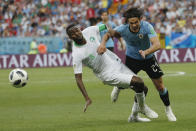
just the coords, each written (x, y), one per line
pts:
(155, 46)
(154, 41)
(122, 44)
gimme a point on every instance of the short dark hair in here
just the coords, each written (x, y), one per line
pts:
(133, 12)
(100, 12)
(69, 27)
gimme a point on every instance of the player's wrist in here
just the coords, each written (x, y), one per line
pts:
(87, 98)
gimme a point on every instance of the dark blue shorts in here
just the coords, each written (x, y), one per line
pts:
(150, 66)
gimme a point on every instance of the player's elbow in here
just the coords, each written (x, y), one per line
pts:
(157, 45)
(106, 37)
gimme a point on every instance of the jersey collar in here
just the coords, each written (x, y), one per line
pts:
(76, 44)
(134, 32)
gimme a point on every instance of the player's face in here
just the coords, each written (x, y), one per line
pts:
(76, 35)
(104, 16)
(134, 24)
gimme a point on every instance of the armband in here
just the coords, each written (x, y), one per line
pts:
(102, 27)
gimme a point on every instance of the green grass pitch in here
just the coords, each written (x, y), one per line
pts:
(51, 101)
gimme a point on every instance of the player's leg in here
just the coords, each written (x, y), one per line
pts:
(164, 95)
(145, 93)
(127, 81)
(115, 93)
(134, 117)
(134, 66)
(138, 86)
(155, 73)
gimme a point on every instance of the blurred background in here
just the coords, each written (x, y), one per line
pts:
(38, 26)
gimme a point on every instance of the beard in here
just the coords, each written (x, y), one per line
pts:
(135, 28)
(79, 40)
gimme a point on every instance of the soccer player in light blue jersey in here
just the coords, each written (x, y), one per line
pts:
(109, 24)
(141, 43)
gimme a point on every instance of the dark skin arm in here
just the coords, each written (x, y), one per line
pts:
(81, 86)
(111, 33)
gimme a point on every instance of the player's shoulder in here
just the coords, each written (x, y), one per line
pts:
(145, 24)
(90, 28)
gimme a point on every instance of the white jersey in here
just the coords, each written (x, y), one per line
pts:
(108, 67)
(87, 54)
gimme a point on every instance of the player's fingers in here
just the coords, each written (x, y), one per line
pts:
(87, 104)
(85, 107)
(100, 51)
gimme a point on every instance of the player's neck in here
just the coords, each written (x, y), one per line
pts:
(133, 31)
(80, 43)
(105, 22)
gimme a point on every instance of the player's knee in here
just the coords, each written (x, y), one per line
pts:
(160, 88)
(138, 84)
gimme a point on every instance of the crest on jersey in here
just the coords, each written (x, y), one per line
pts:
(92, 39)
(141, 36)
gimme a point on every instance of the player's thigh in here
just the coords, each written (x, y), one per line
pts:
(153, 69)
(125, 70)
(133, 65)
(118, 79)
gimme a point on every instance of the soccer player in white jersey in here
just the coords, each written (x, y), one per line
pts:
(141, 42)
(84, 52)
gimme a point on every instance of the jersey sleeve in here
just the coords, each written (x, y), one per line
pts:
(102, 27)
(77, 65)
(150, 30)
(99, 28)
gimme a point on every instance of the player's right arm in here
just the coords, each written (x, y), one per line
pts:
(81, 86)
(111, 33)
(77, 66)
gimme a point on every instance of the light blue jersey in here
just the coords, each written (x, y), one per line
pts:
(110, 42)
(137, 41)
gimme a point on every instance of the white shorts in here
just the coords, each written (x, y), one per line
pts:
(120, 77)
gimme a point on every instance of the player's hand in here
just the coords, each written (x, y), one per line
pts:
(88, 102)
(142, 53)
(121, 47)
(101, 49)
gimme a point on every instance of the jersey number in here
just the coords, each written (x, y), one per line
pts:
(155, 67)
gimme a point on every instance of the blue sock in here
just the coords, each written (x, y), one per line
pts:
(164, 95)
(163, 92)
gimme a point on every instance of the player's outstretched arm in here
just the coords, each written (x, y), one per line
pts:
(122, 43)
(111, 33)
(155, 46)
(81, 86)
(102, 48)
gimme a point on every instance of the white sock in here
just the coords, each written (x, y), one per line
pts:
(135, 109)
(140, 99)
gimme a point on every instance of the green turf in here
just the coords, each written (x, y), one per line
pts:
(52, 102)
